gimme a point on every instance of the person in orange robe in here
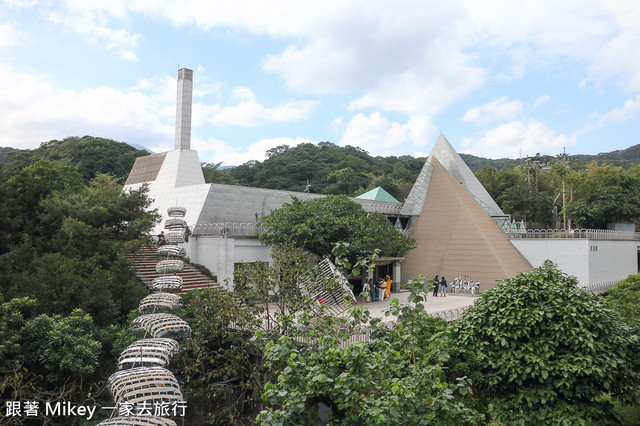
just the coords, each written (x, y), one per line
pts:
(388, 280)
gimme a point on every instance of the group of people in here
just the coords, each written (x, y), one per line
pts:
(379, 290)
(441, 285)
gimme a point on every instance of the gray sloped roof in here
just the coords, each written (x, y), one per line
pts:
(454, 164)
(231, 203)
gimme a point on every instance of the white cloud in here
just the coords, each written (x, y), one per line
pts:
(243, 93)
(377, 135)
(517, 139)
(541, 99)
(498, 110)
(214, 150)
(629, 111)
(9, 35)
(17, 4)
(253, 114)
(33, 111)
(410, 56)
(92, 20)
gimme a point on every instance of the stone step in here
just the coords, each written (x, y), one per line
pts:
(145, 261)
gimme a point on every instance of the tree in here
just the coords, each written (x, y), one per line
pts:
(397, 378)
(23, 191)
(624, 298)
(318, 224)
(67, 242)
(541, 350)
(89, 155)
(606, 194)
(213, 174)
(221, 358)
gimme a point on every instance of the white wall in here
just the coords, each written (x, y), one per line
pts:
(591, 261)
(219, 254)
(571, 256)
(612, 260)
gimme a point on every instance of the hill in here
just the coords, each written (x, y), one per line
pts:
(327, 169)
(90, 155)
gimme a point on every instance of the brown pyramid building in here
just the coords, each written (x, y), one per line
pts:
(455, 236)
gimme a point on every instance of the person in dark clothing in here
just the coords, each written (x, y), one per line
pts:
(161, 240)
(436, 282)
(443, 287)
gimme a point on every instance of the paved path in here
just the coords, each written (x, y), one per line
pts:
(432, 304)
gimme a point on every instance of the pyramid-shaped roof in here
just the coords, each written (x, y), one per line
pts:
(378, 194)
(456, 237)
(449, 158)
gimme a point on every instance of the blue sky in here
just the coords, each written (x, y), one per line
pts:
(499, 78)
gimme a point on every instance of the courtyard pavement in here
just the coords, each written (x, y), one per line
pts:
(432, 304)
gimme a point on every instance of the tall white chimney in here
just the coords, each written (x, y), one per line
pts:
(183, 109)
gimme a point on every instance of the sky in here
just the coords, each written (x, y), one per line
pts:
(499, 78)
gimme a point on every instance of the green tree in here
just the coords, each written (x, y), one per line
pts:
(213, 174)
(318, 224)
(23, 192)
(606, 194)
(624, 298)
(89, 155)
(398, 378)
(71, 252)
(221, 359)
(541, 350)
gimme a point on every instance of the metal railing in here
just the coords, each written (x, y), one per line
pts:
(450, 314)
(393, 209)
(594, 234)
(601, 287)
(231, 229)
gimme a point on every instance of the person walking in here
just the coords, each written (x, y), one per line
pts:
(373, 290)
(436, 282)
(443, 287)
(381, 289)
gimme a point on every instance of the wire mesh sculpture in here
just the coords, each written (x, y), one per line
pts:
(175, 237)
(162, 325)
(169, 266)
(176, 211)
(175, 223)
(171, 251)
(160, 302)
(333, 299)
(148, 352)
(167, 283)
(144, 384)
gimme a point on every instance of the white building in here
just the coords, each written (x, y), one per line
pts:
(447, 210)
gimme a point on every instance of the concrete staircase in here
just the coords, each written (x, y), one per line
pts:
(145, 260)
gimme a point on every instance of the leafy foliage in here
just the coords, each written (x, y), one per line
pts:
(69, 250)
(607, 194)
(317, 225)
(67, 285)
(397, 379)
(330, 169)
(223, 374)
(89, 155)
(541, 350)
(624, 298)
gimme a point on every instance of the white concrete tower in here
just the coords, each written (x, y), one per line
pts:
(183, 110)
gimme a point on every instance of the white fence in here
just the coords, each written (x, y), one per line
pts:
(228, 229)
(594, 234)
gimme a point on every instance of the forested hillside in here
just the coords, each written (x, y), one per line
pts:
(326, 167)
(528, 189)
(90, 155)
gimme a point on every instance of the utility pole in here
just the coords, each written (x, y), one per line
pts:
(564, 198)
